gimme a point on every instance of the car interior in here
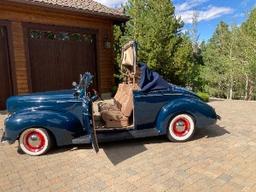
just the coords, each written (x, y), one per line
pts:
(118, 112)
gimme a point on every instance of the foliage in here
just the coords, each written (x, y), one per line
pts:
(162, 46)
(196, 80)
(113, 91)
(204, 96)
(230, 61)
(247, 54)
(225, 66)
(117, 46)
(215, 54)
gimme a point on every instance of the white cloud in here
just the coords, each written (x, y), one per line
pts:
(112, 3)
(185, 10)
(190, 4)
(210, 13)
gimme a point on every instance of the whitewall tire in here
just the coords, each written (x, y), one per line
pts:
(181, 128)
(34, 141)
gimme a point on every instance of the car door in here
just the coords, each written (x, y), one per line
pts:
(89, 123)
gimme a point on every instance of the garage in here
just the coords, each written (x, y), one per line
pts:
(5, 77)
(50, 43)
(58, 55)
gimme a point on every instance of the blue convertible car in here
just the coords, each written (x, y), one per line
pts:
(145, 105)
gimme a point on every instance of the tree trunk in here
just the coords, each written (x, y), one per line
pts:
(246, 87)
(218, 92)
(231, 88)
(250, 90)
(231, 93)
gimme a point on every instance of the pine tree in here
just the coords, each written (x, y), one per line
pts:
(196, 80)
(248, 53)
(162, 46)
(215, 72)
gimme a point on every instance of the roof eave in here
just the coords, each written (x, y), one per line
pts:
(115, 18)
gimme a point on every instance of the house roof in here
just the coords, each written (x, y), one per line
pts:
(85, 6)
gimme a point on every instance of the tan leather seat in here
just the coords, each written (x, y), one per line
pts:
(120, 117)
(117, 115)
(114, 119)
(117, 100)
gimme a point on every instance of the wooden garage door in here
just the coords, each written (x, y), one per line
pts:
(5, 78)
(58, 56)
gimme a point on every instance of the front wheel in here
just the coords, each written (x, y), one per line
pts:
(181, 128)
(34, 141)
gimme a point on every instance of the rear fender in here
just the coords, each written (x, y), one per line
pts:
(63, 126)
(202, 113)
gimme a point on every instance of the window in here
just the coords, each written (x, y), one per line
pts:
(61, 36)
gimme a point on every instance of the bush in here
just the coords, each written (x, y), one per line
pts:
(204, 96)
(113, 90)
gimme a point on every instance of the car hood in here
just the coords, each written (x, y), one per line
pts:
(40, 99)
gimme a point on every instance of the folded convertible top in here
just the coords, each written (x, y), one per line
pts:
(151, 80)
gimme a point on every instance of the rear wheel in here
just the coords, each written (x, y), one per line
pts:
(35, 141)
(181, 128)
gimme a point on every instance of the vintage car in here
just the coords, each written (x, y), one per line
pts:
(145, 105)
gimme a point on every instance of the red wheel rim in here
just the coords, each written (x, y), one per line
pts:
(181, 127)
(34, 141)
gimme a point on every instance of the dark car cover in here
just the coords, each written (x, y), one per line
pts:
(151, 80)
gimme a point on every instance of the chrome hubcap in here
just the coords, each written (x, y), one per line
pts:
(34, 140)
(180, 126)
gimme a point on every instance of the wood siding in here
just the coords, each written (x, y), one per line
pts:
(18, 15)
(19, 58)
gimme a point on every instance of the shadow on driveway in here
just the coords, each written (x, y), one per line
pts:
(123, 150)
(212, 131)
(120, 151)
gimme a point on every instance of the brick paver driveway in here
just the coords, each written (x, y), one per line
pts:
(221, 158)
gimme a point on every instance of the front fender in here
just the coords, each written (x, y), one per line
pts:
(203, 114)
(63, 126)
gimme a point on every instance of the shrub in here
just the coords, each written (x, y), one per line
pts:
(113, 90)
(204, 96)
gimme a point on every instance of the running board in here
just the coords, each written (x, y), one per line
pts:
(117, 136)
(101, 130)
(85, 139)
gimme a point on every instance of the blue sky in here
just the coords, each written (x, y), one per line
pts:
(210, 12)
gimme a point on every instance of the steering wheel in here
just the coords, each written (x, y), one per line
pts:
(84, 87)
(92, 93)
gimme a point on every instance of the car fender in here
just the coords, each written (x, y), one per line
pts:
(202, 113)
(62, 125)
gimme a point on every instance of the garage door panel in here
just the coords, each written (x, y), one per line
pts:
(84, 51)
(5, 80)
(57, 61)
(43, 68)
